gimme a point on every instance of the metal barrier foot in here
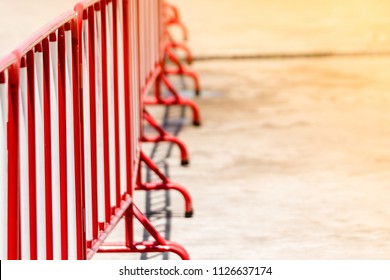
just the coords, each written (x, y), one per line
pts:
(160, 245)
(181, 70)
(174, 99)
(166, 184)
(171, 55)
(196, 123)
(189, 214)
(181, 101)
(164, 136)
(185, 72)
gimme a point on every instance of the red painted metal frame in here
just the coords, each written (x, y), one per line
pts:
(165, 184)
(172, 17)
(39, 43)
(125, 207)
(151, 63)
(10, 63)
(164, 136)
(160, 245)
(169, 13)
(170, 46)
(174, 99)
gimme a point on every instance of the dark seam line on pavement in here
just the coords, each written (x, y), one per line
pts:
(289, 55)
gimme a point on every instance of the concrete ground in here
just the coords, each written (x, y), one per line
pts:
(292, 159)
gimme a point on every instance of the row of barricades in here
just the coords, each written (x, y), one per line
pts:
(72, 108)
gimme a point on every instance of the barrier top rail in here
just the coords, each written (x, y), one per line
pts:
(46, 30)
(7, 61)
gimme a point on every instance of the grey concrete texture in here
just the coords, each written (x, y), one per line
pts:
(291, 162)
(251, 26)
(292, 159)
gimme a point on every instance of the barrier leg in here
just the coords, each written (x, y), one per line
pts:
(174, 99)
(180, 68)
(173, 45)
(160, 245)
(164, 136)
(165, 184)
(174, 19)
(185, 72)
(174, 11)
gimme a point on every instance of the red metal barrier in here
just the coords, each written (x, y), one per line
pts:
(161, 71)
(115, 119)
(71, 113)
(50, 159)
(9, 159)
(172, 18)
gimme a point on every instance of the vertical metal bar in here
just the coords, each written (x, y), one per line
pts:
(90, 15)
(55, 146)
(145, 35)
(62, 113)
(152, 7)
(99, 118)
(32, 154)
(157, 88)
(153, 33)
(111, 101)
(118, 147)
(149, 21)
(77, 75)
(141, 34)
(138, 74)
(70, 142)
(23, 161)
(133, 71)
(87, 129)
(3, 164)
(39, 153)
(139, 40)
(122, 64)
(139, 62)
(157, 31)
(14, 172)
(48, 149)
(126, 13)
(161, 31)
(105, 104)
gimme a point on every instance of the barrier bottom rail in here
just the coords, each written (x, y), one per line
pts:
(183, 71)
(160, 245)
(165, 184)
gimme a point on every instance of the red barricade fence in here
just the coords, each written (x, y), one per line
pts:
(71, 125)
